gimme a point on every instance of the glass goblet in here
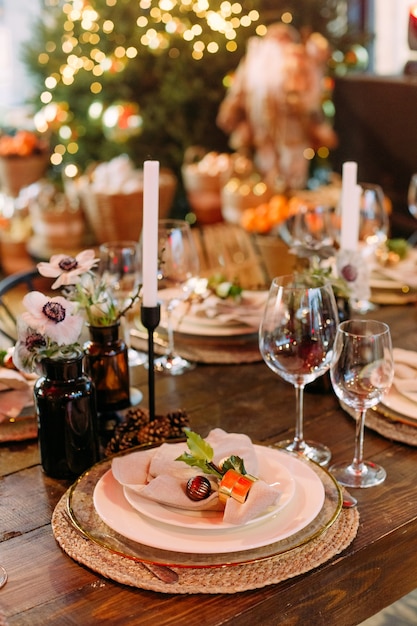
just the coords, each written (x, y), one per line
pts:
(361, 373)
(177, 276)
(120, 266)
(296, 339)
(311, 232)
(373, 218)
(373, 232)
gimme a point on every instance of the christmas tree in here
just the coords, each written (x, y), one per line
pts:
(146, 78)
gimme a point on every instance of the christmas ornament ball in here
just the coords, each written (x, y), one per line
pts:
(121, 121)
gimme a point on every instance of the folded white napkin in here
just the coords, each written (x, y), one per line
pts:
(155, 474)
(405, 373)
(248, 310)
(16, 393)
(11, 379)
(405, 272)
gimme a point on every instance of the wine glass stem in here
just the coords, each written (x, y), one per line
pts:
(357, 462)
(299, 443)
(170, 332)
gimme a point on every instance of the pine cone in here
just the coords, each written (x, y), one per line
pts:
(178, 421)
(136, 417)
(156, 431)
(138, 430)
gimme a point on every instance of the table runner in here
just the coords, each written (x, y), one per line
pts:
(218, 579)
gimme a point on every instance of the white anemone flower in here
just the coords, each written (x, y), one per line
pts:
(89, 290)
(55, 318)
(67, 269)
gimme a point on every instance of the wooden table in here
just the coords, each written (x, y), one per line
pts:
(46, 587)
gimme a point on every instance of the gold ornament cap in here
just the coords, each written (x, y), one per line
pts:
(235, 485)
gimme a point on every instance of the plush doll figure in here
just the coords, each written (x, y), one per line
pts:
(272, 110)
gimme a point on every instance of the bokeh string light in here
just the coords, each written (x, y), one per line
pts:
(123, 75)
(92, 45)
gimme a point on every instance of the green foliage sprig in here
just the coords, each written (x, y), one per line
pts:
(224, 288)
(319, 276)
(201, 455)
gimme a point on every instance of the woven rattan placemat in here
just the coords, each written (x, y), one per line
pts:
(397, 428)
(18, 429)
(210, 350)
(192, 580)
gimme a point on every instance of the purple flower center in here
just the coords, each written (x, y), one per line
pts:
(68, 264)
(349, 273)
(54, 311)
(34, 341)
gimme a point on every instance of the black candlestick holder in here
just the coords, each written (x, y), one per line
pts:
(150, 317)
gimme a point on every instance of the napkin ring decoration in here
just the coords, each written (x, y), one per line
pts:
(235, 485)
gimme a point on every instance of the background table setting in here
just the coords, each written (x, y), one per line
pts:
(212, 330)
(395, 283)
(17, 420)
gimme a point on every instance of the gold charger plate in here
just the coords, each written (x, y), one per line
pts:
(82, 513)
(390, 414)
(394, 288)
(386, 291)
(393, 296)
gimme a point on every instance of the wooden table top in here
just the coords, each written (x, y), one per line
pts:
(46, 586)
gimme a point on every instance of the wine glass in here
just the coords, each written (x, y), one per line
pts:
(412, 205)
(296, 341)
(373, 232)
(178, 269)
(311, 232)
(120, 267)
(373, 219)
(361, 372)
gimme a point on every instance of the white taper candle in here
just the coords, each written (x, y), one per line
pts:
(349, 234)
(150, 233)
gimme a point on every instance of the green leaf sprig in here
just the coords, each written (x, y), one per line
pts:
(224, 288)
(201, 456)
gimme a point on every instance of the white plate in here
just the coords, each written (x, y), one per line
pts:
(270, 470)
(194, 322)
(395, 401)
(398, 276)
(188, 327)
(376, 282)
(116, 512)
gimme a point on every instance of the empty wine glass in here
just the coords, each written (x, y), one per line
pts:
(373, 219)
(120, 267)
(361, 373)
(177, 276)
(311, 232)
(373, 232)
(296, 341)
